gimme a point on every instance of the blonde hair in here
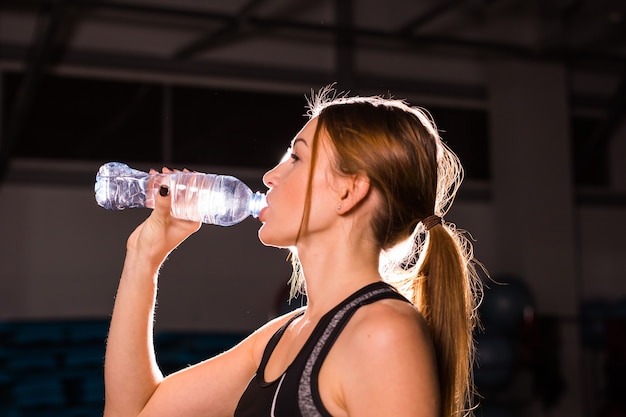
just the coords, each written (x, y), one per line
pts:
(399, 148)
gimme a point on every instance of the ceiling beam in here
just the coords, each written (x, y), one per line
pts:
(141, 9)
(160, 69)
(231, 30)
(327, 31)
(434, 12)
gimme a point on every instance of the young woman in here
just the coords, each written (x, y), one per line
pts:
(359, 201)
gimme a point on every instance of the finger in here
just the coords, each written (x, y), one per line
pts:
(162, 201)
(152, 181)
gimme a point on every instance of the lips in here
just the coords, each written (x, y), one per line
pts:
(263, 210)
(261, 214)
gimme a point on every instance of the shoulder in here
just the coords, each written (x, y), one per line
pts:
(388, 324)
(384, 360)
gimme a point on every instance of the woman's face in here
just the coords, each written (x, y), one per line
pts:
(287, 183)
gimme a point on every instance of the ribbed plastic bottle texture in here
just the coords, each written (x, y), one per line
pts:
(214, 199)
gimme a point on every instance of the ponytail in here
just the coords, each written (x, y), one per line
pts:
(444, 292)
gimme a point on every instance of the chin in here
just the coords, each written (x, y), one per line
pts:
(265, 236)
(271, 239)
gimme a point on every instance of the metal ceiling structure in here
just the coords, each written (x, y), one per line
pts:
(413, 47)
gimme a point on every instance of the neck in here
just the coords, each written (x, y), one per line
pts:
(334, 270)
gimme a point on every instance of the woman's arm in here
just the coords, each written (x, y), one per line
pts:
(131, 373)
(134, 384)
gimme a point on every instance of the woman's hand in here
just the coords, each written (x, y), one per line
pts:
(160, 233)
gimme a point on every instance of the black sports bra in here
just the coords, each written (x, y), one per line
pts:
(295, 393)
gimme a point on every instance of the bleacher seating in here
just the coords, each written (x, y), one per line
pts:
(55, 368)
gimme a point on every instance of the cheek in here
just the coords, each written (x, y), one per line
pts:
(323, 209)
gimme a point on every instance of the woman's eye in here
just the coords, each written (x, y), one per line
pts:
(286, 156)
(294, 157)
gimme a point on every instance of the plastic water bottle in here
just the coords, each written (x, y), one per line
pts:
(214, 199)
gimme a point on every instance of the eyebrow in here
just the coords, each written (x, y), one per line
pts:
(296, 140)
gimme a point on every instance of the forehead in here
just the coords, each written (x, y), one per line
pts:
(307, 132)
(323, 150)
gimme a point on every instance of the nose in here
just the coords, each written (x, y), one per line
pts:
(270, 178)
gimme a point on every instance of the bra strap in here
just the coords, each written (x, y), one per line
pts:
(271, 344)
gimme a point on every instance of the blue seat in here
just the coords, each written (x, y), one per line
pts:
(32, 360)
(89, 331)
(84, 357)
(37, 392)
(93, 390)
(39, 333)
